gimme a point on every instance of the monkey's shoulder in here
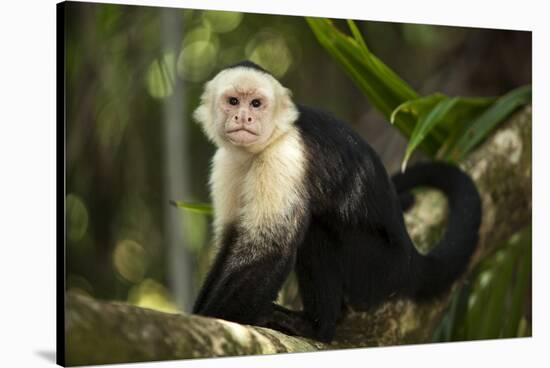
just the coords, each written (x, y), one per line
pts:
(337, 154)
(331, 142)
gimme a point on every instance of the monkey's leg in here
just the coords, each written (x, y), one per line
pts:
(320, 279)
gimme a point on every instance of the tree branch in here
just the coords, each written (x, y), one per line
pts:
(109, 332)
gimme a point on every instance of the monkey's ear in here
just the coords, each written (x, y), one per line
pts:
(204, 114)
(286, 109)
(286, 97)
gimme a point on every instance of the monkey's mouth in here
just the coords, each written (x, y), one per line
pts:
(242, 136)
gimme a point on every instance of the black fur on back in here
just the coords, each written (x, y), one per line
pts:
(357, 239)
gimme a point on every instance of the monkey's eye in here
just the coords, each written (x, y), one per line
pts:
(256, 103)
(233, 101)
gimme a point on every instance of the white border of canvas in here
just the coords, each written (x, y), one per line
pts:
(27, 190)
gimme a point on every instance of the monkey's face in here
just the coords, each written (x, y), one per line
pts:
(245, 108)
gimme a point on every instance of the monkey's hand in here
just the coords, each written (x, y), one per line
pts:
(288, 321)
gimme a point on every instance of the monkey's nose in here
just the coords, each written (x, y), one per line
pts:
(245, 119)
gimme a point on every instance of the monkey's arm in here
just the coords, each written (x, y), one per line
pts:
(210, 280)
(245, 279)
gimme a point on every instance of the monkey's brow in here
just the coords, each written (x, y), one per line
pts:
(244, 91)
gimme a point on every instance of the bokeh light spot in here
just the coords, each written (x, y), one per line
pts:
(111, 124)
(222, 21)
(130, 260)
(161, 76)
(201, 33)
(197, 60)
(151, 294)
(77, 217)
(270, 50)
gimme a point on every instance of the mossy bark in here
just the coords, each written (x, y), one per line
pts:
(109, 332)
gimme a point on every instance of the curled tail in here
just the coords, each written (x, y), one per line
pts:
(449, 258)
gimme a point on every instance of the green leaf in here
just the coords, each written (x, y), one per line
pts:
(496, 299)
(499, 287)
(456, 121)
(520, 289)
(451, 135)
(452, 315)
(460, 325)
(203, 208)
(476, 308)
(488, 120)
(462, 117)
(417, 106)
(382, 86)
(357, 34)
(426, 123)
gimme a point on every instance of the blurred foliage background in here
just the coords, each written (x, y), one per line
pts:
(134, 76)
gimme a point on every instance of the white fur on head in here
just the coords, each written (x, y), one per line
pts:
(212, 118)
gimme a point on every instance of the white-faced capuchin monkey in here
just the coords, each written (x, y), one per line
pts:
(296, 189)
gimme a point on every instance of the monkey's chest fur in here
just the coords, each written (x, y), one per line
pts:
(260, 194)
